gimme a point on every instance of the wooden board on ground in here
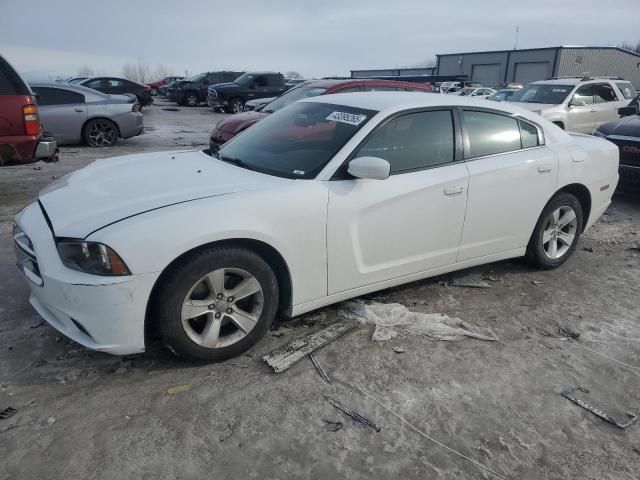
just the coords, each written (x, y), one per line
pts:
(284, 357)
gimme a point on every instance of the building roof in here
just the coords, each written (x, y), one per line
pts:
(566, 47)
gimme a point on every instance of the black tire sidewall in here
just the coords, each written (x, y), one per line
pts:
(535, 250)
(170, 295)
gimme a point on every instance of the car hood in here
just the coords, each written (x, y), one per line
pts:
(627, 126)
(112, 189)
(238, 122)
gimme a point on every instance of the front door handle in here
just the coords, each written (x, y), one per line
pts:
(544, 168)
(79, 110)
(453, 190)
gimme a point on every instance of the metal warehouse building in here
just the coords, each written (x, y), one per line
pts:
(527, 65)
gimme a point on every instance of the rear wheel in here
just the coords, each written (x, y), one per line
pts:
(100, 132)
(154, 91)
(216, 304)
(557, 232)
(191, 99)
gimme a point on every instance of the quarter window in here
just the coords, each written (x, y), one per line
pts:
(413, 141)
(528, 134)
(273, 81)
(628, 91)
(490, 133)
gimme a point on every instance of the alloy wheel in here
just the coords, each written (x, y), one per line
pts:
(559, 232)
(222, 307)
(102, 134)
(237, 107)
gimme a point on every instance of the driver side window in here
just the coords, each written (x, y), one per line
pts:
(414, 141)
(260, 81)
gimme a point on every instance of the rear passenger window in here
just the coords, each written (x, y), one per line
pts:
(584, 94)
(628, 91)
(490, 133)
(57, 96)
(413, 141)
(528, 134)
(380, 89)
(350, 89)
(273, 81)
(605, 93)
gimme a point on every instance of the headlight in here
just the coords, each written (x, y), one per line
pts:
(213, 93)
(598, 133)
(91, 257)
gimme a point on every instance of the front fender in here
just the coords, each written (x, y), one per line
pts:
(292, 220)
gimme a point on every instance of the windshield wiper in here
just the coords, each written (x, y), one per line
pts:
(235, 161)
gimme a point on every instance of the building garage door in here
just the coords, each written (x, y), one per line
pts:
(487, 75)
(528, 72)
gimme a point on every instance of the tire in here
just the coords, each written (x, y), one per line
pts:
(191, 99)
(100, 132)
(154, 91)
(236, 105)
(560, 223)
(187, 290)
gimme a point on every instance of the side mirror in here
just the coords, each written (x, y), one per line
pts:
(577, 102)
(626, 111)
(372, 168)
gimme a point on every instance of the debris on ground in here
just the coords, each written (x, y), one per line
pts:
(469, 281)
(178, 389)
(284, 357)
(171, 109)
(227, 432)
(597, 411)
(40, 362)
(356, 416)
(332, 426)
(37, 168)
(399, 349)
(566, 332)
(537, 283)
(38, 325)
(390, 316)
(587, 249)
(51, 420)
(7, 413)
(314, 362)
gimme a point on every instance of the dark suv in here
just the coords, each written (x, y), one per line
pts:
(20, 131)
(193, 91)
(232, 96)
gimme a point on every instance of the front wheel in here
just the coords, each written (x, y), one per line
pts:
(236, 105)
(191, 99)
(100, 132)
(154, 91)
(556, 234)
(216, 304)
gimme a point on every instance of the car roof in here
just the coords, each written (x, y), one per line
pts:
(69, 86)
(405, 100)
(568, 81)
(328, 83)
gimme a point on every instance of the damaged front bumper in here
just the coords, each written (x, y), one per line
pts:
(101, 313)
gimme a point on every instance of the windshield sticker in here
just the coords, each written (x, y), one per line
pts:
(559, 90)
(298, 172)
(344, 117)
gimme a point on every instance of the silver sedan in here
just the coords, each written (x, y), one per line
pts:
(73, 114)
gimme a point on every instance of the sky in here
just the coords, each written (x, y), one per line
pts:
(318, 38)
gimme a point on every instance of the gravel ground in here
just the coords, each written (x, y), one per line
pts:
(495, 406)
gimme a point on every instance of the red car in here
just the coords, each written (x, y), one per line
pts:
(20, 131)
(155, 86)
(228, 127)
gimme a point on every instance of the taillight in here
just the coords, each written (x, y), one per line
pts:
(31, 120)
(136, 107)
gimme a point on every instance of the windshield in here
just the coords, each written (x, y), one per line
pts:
(244, 79)
(197, 78)
(291, 96)
(297, 141)
(542, 93)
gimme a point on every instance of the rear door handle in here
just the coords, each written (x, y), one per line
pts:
(79, 110)
(453, 190)
(544, 168)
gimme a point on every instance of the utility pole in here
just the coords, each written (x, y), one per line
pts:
(515, 47)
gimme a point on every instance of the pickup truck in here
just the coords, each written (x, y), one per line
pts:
(21, 138)
(193, 91)
(232, 96)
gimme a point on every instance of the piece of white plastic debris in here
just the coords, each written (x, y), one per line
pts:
(51, 420)
(393, 316)
(399, 349)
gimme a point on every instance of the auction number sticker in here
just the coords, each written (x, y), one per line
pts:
(344, 117)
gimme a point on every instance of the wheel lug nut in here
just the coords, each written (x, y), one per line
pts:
(230, 299)
(218, 315)
(211, 307)
(219, 296)
(229, 310)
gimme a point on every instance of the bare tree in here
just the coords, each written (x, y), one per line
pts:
(137, 72)
(294, 75)
(160, 72)
(630, 46)
(85, 71)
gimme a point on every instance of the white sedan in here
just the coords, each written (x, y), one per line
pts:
(327, 199)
